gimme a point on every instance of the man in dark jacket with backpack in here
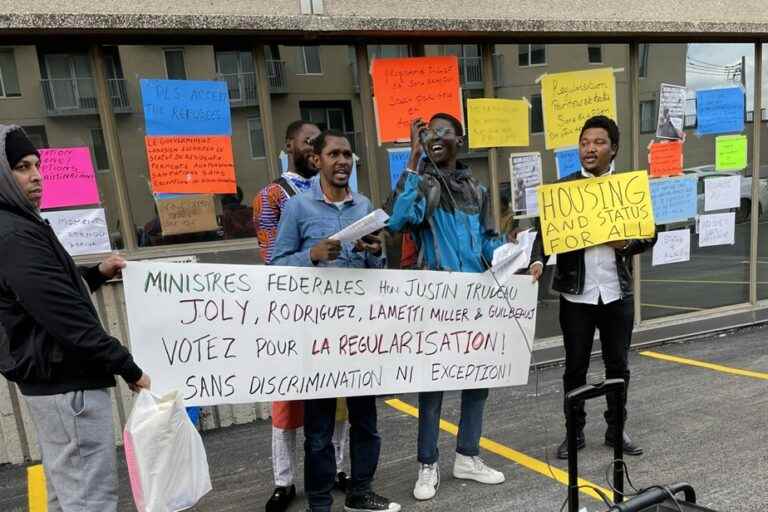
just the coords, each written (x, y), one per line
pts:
(56, 349)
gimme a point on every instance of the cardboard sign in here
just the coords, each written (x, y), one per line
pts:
(407, 88)
(81, 231)
(569, 99)
(666, 159)
(68, 178)
(495, 123)
(672, 247)
(582, 213)
(186, 107)
(525, 176)
(567, 162)
(188, 214)
(671, 122)
(674, 199)
(226, 334)
(730, 152)
(398, 161)
(190, 165)
(720, 110)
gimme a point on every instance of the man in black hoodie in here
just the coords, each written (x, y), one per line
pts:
(56, 349)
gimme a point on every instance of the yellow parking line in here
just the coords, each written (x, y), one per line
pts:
(709, 366)
(36, 493)
(508, 453)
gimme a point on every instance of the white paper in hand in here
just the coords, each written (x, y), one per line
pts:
(510, 258)
(374, 221)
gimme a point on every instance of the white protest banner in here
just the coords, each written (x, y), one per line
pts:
(717, 229)
(226, 334)
(722, 193)
(80, 231)
(672, 247)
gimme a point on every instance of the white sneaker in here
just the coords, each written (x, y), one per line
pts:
(428, 482)
(473, 468)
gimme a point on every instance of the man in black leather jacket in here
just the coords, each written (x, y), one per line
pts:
(596, 291)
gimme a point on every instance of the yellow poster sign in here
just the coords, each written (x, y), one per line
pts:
(569, 99)
(494, 123)
(586, 212)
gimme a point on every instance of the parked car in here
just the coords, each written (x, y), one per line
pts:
(743, 212)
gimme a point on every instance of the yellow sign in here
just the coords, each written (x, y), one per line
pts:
(585, 212)
(569, 99)
(494, 123)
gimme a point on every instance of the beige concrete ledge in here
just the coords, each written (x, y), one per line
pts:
(392, 18)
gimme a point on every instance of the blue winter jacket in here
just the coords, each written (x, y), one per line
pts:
(449, 216)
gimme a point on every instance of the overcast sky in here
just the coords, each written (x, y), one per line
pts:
(723, 55)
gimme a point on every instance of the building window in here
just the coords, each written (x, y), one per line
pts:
(9, 77)
(309, 60)
(595, 53)
(99, 150)
(648, 116)
(532, 54)
(537, 115)
(256, 135)
(311, 6)
(174, 64)
(37, 135)
(643, 49)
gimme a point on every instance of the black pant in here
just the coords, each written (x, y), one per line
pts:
(320, 458)
(615, 322)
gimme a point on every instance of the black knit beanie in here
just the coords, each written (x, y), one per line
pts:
(17, 146)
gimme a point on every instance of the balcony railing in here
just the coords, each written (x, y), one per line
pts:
(243, 91)
(242, 88)
(277, 76)
(77, 96)
(471, 71)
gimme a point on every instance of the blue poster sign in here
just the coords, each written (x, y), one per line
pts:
(186, 107)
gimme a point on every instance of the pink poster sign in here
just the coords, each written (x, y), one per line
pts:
(68, 178)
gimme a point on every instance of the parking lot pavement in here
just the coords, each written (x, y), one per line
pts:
(702, 417)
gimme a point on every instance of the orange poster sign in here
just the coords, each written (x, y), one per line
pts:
(408, 88)
(191, 164)
(666, 158)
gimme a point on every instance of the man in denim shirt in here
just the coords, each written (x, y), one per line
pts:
(309, 219)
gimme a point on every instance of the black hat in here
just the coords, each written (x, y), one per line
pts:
(17, 146)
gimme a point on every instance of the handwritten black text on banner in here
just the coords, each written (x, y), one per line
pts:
(238, 334)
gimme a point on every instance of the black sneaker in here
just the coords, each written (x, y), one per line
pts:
(280, 499)
(342, 481)
(369, 501)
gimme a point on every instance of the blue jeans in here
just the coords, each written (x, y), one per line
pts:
(470, 425)
(320, 456)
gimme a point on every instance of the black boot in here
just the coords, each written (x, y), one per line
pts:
(281, 498)
(562, 450)
(630, 448)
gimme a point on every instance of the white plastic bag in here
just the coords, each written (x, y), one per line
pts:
(166, 458)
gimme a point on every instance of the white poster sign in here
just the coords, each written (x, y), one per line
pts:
(226, 334)
(525, 175)
(722, 193)
(671, 111)
(80, 231)
(717, 229)
(672, 247)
